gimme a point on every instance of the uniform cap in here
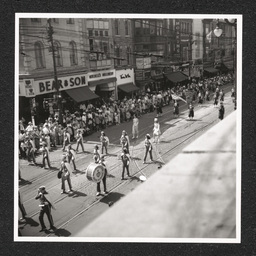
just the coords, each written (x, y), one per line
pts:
(42, 187)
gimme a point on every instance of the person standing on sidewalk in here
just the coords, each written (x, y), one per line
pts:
(190, 111)
(148, 147)
(46, 206)
(156, 131)
(176, 109)
(79, 141)
(104, 142)
(221, 111)
(45, 153)
(135, 127)
(126, 161)
(101, 162)
(65, 175)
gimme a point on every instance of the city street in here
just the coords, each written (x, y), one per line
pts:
(74, 211)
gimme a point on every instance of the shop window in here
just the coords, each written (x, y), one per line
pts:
(70, 21)
(39, 55)
(106, 33)
(58, 55)
(96, 24)
(73, 53)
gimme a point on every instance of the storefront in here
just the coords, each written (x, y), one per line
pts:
(44, 99)
(103, 83)
(176, 78)
(125, 83)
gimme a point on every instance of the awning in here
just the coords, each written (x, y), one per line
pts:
(81, 94)
(176, 77)
(107, 87)
(102, 81)
(211, 70)
(130, 87)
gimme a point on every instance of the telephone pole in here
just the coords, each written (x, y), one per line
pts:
(58, 96)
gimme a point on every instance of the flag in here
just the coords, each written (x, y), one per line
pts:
(209, 36)
(176, 97)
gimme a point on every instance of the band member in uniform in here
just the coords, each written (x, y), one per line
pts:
(124, 141)
(104, 142)
(96, 154)
(65, 176)
(45, 208)
(156, 131)
(66, 139)
(149, 148)
(221, 111)
(71, 156)
(79, 138)
(135, 127)
(22, 208)
(45, 152)
(29, 150)
(126, 161)
(101, 161)
(191, 111)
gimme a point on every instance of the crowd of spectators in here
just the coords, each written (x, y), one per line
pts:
(89, 119)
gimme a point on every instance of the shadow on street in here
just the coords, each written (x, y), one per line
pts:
(111, 198)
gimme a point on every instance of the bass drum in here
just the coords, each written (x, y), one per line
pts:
(95, 172)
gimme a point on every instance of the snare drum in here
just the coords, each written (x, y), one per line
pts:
(95, 172)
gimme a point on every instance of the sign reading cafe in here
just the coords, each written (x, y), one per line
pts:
(64, 83)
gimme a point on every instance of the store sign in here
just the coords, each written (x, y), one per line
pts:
(143, 63)
(124, 76)
(93, 76)
(26, 88)
(64, 83)
(139, 75)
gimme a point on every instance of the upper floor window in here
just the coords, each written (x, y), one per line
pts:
(117, 27)
(70, 21)
(159, 29)
(73, 53)
(126, 24)
(58, 55)
(39, 55)
(35, 20)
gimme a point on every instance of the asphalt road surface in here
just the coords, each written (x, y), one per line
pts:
(77, 209)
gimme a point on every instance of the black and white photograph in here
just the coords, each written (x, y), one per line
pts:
(128, 127)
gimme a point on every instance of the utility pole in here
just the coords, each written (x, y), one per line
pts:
(50, 39)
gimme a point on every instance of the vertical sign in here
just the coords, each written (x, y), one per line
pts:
(177, 37)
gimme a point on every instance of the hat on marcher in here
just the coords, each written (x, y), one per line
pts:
(29, 123)
(155, 120)
(42, 188)
(148, 136)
